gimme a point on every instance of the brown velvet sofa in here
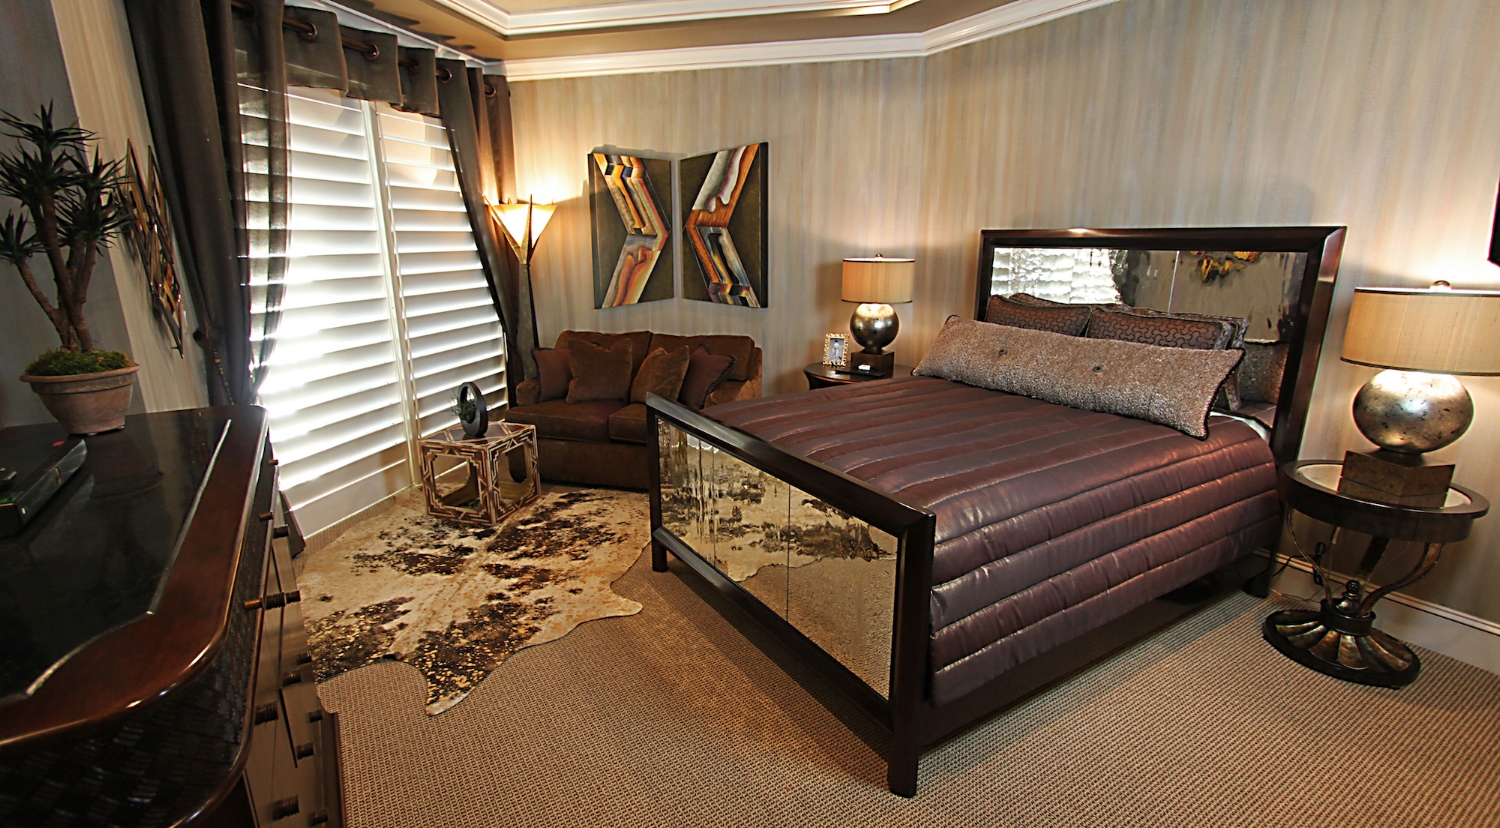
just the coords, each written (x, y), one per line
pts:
(603, 443)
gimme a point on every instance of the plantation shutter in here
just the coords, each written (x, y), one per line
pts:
(381, 316)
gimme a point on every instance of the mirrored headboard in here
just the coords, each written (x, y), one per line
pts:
(1279, 278)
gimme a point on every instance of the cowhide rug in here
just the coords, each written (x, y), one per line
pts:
(455, 601)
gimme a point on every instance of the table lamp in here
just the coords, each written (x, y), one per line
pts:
(523, 223)
(1422, 337)
(876, 284)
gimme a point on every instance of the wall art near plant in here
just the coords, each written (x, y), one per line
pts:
(632, 260)
(150, 239)
(726, 226)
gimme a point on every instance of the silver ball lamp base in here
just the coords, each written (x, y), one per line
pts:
(874, 326)
(1409, 412)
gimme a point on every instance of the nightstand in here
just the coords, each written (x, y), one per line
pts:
(1340, 638)
(824, 376)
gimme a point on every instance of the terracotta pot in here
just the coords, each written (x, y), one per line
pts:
(86, 403)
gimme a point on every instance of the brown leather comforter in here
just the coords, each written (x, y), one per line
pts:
(1051, 521)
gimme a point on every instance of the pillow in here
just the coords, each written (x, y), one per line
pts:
(1034, 301)
(1171, 386)
(598, 373)
(552, 373)
(705, 373)
(1166, 331)
(1262, 371)
(1063, 319)
(661, 373)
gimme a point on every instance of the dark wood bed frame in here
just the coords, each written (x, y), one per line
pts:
(907, 713)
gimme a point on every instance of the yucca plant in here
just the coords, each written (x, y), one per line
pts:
(76, 209)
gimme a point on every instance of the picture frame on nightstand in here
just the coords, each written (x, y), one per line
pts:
(836, 350)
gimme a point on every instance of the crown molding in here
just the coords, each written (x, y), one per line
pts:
(1011, 17)
(649, 13)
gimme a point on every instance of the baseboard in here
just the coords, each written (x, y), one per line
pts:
(328, 534)
(1455, 634)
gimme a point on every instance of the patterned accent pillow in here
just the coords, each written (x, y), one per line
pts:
(661, 373)
(1171, 386)
(1262, 371)
(1064, 319)
(1034, 301)
(598, 373)
(1163, 331)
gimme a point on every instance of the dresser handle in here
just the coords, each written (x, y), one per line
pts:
(315, 716)
(268, 712)
(294, 677)
(317, 818)
(281, 532)
(302, 658)
(274, 600)
(283, 808)
(264, 516)
(303, 750)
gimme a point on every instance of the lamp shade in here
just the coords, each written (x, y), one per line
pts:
(878, 281)
(514, 217)
(1437, 331)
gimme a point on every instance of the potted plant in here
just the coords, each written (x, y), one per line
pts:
(76, 209)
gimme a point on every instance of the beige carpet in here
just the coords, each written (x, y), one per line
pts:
(671, 717)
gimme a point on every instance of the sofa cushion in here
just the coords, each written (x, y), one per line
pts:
(739, 347)
(705, 373)
(553, 373)
(562, 420)
(640, 343)
(628, 425)
(662, 374)
(599, 373)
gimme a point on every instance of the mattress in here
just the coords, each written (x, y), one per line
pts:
(1051, 520)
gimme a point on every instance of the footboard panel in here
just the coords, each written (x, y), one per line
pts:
(835, 568)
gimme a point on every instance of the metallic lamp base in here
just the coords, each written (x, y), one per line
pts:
(1410, 412)
(1343, 646)
(874, 326)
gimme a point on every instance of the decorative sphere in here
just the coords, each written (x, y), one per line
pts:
(1411, 412)
(874, 326)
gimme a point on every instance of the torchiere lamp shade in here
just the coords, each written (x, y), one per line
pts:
(516, 218)
(1436, 331)
(879, 281)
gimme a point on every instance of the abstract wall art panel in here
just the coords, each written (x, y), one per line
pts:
(632, 257)
(724, 198)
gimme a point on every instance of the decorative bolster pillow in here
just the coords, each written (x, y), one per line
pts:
(1171, 386)
(1063, 319)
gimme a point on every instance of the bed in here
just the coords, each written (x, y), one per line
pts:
(939, 551)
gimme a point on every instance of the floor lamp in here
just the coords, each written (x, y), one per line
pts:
(523, 223)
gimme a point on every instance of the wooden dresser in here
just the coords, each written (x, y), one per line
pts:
(154, 669)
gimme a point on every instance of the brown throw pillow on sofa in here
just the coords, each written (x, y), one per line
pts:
(705, 373)
(662, 373)
(598, 373)
(1063, 319)
(1171, 386)
(552, 373)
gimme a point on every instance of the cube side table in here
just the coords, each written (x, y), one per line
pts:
(486, 495)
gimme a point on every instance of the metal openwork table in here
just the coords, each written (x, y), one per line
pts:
(1340, 638)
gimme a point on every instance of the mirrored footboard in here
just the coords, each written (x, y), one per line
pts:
(827, 560)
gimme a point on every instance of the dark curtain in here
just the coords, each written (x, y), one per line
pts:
(463, 115)
(186, 58)
(501, 151)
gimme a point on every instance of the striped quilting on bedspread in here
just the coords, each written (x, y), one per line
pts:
(1050, 520)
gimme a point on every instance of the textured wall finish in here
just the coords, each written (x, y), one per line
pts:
(1377, 114)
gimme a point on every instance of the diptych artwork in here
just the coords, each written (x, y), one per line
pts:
(724, 199)
(632, 259)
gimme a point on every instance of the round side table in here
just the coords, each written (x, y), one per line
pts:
(1340, 638)
(825, 376)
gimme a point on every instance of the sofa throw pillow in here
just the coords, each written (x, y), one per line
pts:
(552, 373)
(705, 373)
(661, 373)
(598, 373)
(1171, 386)
(1063, 319)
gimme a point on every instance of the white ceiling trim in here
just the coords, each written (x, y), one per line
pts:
(649, 13)
(1011, 17)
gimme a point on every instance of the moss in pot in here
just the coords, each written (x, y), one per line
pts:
(72, 209)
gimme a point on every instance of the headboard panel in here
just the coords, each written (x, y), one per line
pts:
(1281, 278)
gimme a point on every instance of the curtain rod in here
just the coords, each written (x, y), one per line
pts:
(308, 31)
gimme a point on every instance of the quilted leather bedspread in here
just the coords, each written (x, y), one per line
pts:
(1051, 521)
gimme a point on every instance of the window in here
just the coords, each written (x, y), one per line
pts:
(385, 308)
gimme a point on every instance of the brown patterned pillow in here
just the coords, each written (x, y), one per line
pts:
(1171, 386)
(1034, 301)
(1163, 331)
(1240, 324)
(1063, 319)
(598, 373)
(661, 374)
